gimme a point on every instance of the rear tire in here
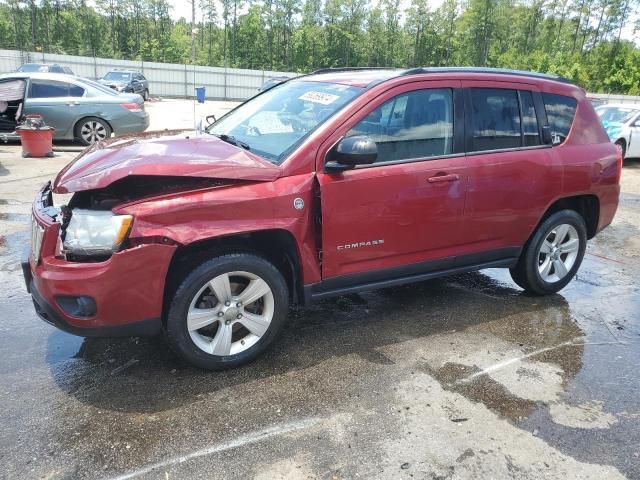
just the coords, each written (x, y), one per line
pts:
(90, 130)
(227, 311)
(553, 255)
(145, 95)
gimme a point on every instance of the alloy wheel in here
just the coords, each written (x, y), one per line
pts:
(558, 253)
(93, 131)
(230, 313)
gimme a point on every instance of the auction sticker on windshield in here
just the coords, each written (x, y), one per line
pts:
(319, 97)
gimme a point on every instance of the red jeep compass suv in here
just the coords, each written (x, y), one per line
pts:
(334, 182)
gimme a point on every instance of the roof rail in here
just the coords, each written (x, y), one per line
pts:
(498, 71)
(349, 69)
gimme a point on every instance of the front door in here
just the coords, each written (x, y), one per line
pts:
(401, 214)
(633, 148)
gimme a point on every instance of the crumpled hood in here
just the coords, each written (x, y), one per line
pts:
(160, 154)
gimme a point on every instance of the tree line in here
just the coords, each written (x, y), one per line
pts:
(583, 40)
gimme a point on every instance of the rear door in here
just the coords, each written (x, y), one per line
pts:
(510, 171)
(402, 214)
(54, 101)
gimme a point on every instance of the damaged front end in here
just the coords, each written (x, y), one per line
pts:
(122, 171)
(91, 232)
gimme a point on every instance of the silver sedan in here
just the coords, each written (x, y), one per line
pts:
(76, 107)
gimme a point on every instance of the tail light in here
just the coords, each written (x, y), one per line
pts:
(133, 107)
(619, 161)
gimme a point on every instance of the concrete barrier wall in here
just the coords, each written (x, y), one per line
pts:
(165, 79)
(176, 80)
(610, 98)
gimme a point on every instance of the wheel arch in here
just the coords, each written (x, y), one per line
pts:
(275, 245)
(588, 206)
(625, 144)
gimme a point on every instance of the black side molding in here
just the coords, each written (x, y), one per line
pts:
(417, 272)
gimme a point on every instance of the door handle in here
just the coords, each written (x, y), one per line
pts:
(444, 178)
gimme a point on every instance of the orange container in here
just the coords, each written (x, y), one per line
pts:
(36, 142)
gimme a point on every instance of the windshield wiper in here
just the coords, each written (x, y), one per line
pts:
(232, 140)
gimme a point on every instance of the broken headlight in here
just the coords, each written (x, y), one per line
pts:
(95, 232)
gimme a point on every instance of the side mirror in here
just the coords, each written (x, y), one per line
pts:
(350, 152)
(547, 138)
(210, 119)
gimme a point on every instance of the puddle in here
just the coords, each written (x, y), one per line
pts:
(63, 346)
(10, 250)
(15, 217)
(483, 390)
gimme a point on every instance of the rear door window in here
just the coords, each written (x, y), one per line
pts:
(495, 119)
(417, 124)
(560, 112)
(48, 89)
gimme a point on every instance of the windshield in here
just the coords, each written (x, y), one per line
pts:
(33, 67)
(616, 114)
(273, 123)
(117, 76)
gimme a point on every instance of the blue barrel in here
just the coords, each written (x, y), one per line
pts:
(200, 94)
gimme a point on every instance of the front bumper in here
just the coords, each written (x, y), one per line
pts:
(127, 289)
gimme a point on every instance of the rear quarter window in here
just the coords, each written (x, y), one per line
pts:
(560, 112)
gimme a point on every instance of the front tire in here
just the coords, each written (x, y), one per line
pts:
(227, 311)
(553, 255)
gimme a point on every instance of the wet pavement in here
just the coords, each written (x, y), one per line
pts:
(463, 377)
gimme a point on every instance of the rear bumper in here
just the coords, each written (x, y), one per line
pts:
(131, 123)
(609, 198)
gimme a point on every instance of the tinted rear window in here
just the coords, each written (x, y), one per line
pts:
(48, 89)
(75, 90)
(495, 119)
(560, 111)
